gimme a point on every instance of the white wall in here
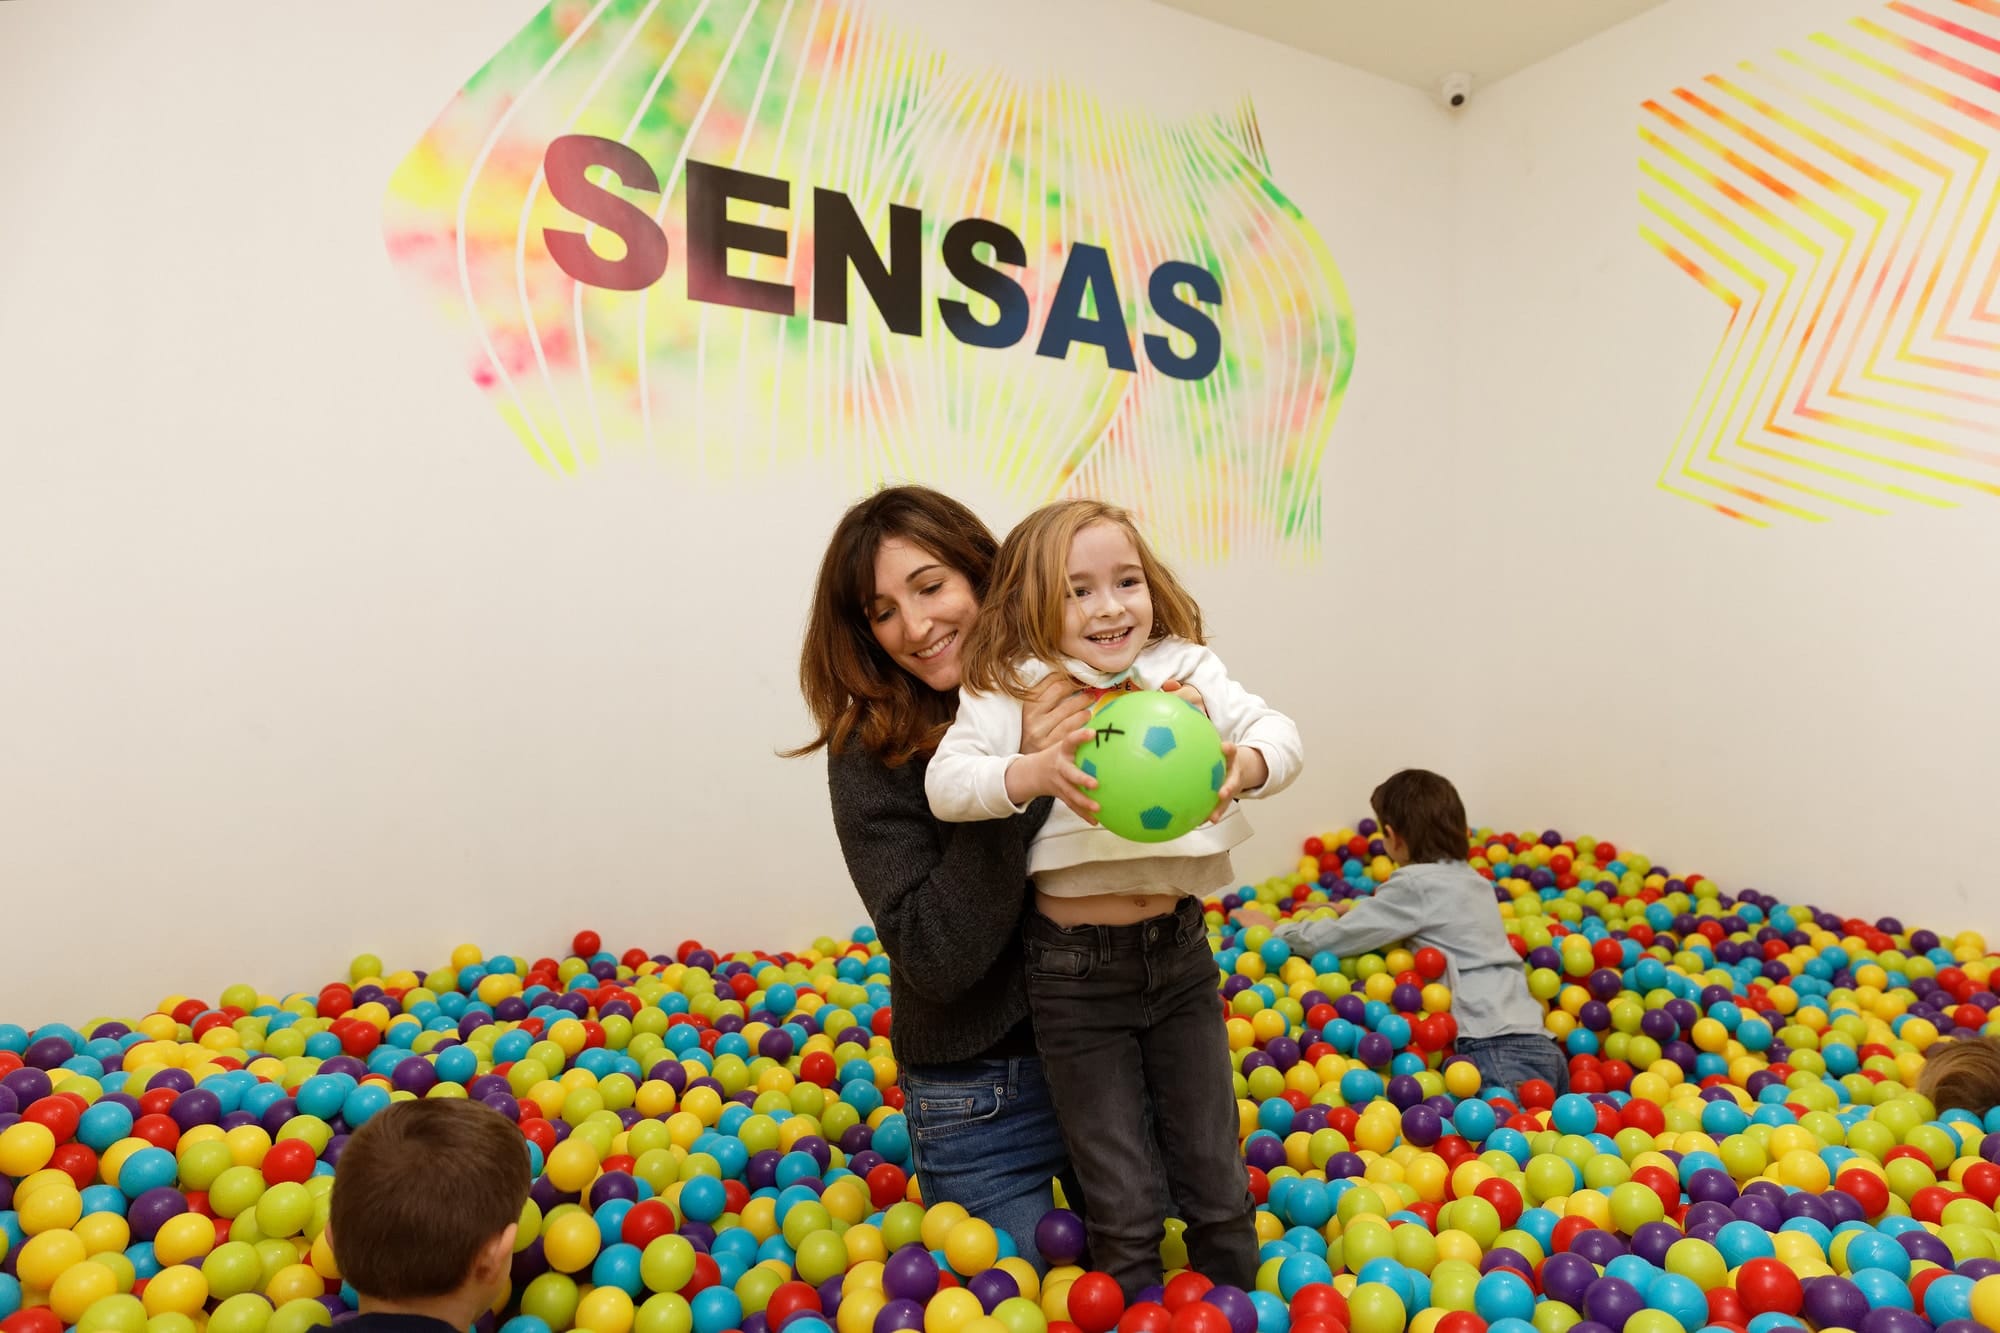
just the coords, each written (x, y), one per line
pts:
(1806, 708)
(302, 655)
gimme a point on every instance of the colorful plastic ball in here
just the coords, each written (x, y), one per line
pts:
(1096, 1302)
(1158, 765)
(1375, 1308)
(1059, 1236)
(1504, 1294)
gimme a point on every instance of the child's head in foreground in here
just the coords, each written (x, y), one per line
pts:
(1421, 816)
(1962, 1075)
(426, 1199)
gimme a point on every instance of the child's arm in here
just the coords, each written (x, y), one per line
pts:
(1247, 722)
(978, 772)
(967, 777)
(1392, 914)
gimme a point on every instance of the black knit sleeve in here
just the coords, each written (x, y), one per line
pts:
(946, 899)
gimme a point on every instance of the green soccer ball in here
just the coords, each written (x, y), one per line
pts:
(1158, 764)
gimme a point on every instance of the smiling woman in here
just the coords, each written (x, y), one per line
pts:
(898, 595)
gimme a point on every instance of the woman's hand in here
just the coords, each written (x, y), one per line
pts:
(1186, 691)
(1052, 771)
(1247, 772)
(1057, 707)
(1251, 916)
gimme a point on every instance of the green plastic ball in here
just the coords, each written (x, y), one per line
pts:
(1158, 764)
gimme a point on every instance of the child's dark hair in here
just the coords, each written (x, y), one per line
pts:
(1962, 1075)
(419, 1190)
(1425, 811)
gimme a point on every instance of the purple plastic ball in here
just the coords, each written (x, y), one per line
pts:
(1060, 1237)
(152, 1210)
(1611, 1301)
(1835, 1302)
(1566, 1276)
(1422, 1126)
(910, 1274)
(1236, 1306)
(612, 1185)
(992, 1286)
(899, 1314)
(1888, 1319)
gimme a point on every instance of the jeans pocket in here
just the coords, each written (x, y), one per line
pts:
(1054, 962)
(938, 1110)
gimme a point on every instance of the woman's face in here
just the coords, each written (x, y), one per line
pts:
(921, 612)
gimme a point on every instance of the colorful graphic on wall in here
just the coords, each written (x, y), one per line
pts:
(741, 236)
(1839, 198)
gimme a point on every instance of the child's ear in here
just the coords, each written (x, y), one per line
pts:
(496, 1257)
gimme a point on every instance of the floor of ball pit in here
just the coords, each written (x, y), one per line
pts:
(717, 1142)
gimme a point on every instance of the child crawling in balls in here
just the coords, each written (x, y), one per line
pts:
(1121, 981)
(427, 1196)
(1435, 899)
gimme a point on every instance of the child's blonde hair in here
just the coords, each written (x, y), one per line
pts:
(1021, 616)
(1962, 1075)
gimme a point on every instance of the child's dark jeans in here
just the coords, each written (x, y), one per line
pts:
(1121, 1012)
(1508, 1062)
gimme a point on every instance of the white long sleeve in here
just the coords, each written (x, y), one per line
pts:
(967, 777)
(1241, 717)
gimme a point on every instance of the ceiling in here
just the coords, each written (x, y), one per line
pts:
(1418, 42)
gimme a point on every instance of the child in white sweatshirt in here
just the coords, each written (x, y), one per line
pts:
(1121, 981)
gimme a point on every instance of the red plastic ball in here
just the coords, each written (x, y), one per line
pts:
(1185, 1289)
(1096, 1303)
(646, 1223)
(1726, 1307)
(1768, 1287)
(584, 945)
(1928, 1204)
(788, 1300)
(1145, 1317)
(1566, 1231)
(1982, 1182)
(77, 1162)
(41, 1319)
(1319, 1300)
(1537, 1093)
(1461, 1321)
(1199, 1317)
(290, 1160)
(1430, 963)
(57, 1114)
(1867, 1189)
(1504, 1197)
(707, 1273)
(887, 1185)
(1317, 1323)
(159, 1130)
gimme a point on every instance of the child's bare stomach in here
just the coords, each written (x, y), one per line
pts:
(1105, 909)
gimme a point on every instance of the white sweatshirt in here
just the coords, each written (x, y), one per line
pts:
(967, 778)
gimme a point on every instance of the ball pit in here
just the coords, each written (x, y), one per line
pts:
(717, 1141)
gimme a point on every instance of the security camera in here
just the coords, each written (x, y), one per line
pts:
(1455, 91)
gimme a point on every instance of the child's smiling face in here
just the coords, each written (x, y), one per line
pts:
(1109, 614)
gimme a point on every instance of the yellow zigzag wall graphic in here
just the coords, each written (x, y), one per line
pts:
(1840, 199)
(827, 93)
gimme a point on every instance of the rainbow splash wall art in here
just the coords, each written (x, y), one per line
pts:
(744, 236)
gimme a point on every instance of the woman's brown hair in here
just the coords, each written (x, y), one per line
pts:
(1022, 616)
(856, 694)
